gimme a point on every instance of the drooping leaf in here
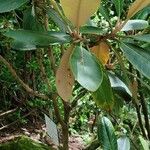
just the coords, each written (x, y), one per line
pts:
(86, 69)
(64, 77)
(135, 25)
(137, 6)
(144, 37)
(104, 11)
(104, 95)
(138, 57)
(28, 40)
(119, 87)
(119, 6)
(102, 52)
(57, 19)
(143, 14)
(91, 30)
(78, 11)
(145, 144)
(8, 5)
(106, 134)
(123, 143)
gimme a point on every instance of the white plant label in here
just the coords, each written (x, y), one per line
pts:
(52, 130)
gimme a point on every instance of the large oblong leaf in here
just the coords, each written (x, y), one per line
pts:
(64, 77)
(119, 6)
(104, 12)
(54, 15)
(78, 11)
(144, 37)
(137, 6)
(135, 25)
(86, 69)
(106, 134)
(138, 57)
(91, 30)
(104, 95)
(102, 52)
(8, 5)
(26, 39)
(119, 86)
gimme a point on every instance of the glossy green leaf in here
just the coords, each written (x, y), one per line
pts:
(104, 12)
(138, 57)
(135, 25)
(91, 30)
(104, 95)
(26, 39)
(8, 5)
(86, 69)
(144, 37)
(123, 143)
(119, 6)
(143, 14)
(145, 144)
(106, 135)
(57, 19)
(119, 87)
(136, 6)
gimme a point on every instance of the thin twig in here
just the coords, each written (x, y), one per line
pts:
(18, 79)
(47, 82)
(145, 84)
(9, 125)
(8, 112)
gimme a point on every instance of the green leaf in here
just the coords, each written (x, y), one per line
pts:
(119, 6)
(26, 39)
(8, 5)
(30, 21)
(104, 95)
(145, 144)
(106, 134)
(138, 57)
(123, 143)
(119, 87)
(144, 37)
(135, 25)
(91, 30)
(104, 12)
(57, 19)
(143, 14)
(86, 69)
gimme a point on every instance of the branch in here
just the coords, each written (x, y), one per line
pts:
(9, 125)
(8, 112)
(17, 78)
(52, 59)
(46, 80)
(82, 93)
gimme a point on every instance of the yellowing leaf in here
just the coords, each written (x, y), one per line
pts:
(78, 11)
(137, 6)
(64, 77)
(102, 52)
